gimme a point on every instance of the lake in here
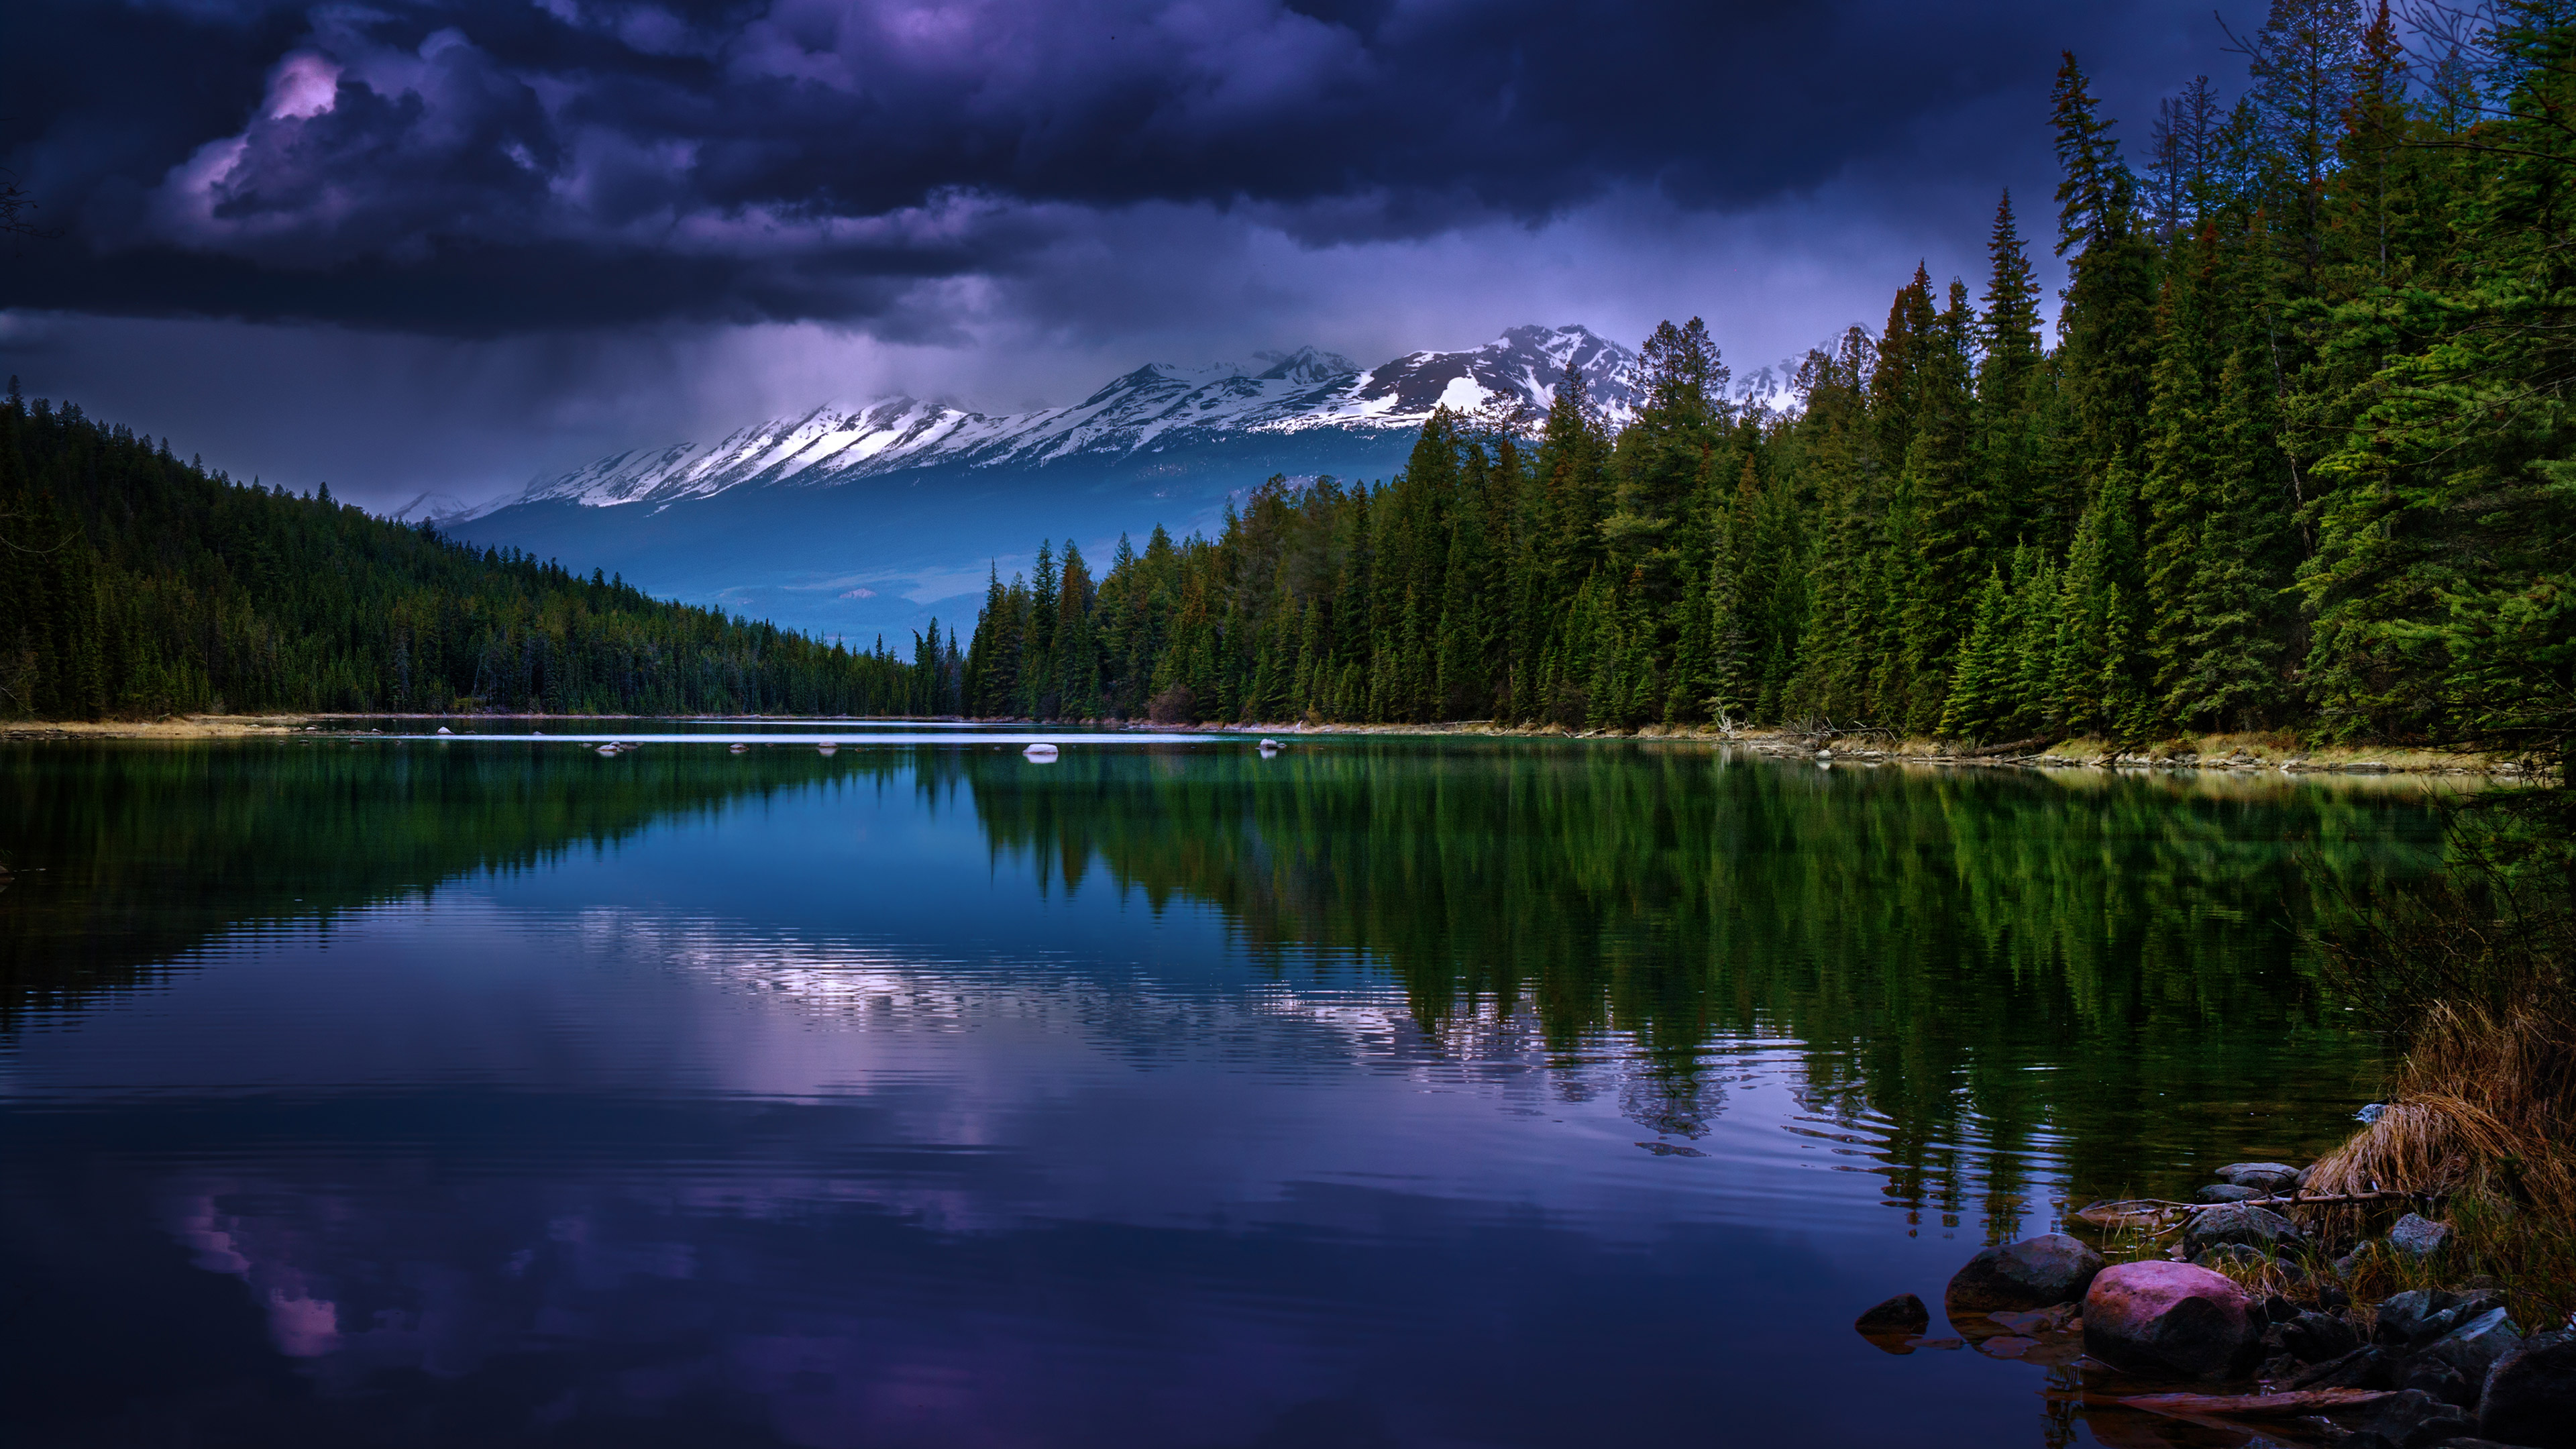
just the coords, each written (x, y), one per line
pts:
(1389, 1091)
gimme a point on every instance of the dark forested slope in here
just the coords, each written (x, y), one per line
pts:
(133, 583)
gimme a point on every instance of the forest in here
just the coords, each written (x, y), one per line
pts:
(134, 585)
(2293, 455)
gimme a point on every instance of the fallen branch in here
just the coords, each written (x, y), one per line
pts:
(2255, 1406)
(2124, 1212)
(2018, 747)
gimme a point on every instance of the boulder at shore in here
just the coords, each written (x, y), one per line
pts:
(2033, 1273)
(2171, 1318)
(2261, 1176)
(2418, 1236)
(2238, 1222)
(2530, 1394)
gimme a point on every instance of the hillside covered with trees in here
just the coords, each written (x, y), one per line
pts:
(135, 584)
(2297, 456)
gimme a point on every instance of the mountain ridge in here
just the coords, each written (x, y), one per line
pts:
(1157, 408)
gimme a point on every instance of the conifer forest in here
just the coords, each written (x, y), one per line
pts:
(2295, 454)
(141, 585)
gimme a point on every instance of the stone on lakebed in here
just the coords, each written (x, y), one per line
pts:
(2033, 1273)
(2409, 1418)
(2172, 1318)
(2261, 1176)
(1903, 1313)
(2224, 1192)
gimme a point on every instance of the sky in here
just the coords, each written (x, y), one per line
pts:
(448, 245)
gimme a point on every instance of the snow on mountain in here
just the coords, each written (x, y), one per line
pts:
(432, 507)
(1157, 408)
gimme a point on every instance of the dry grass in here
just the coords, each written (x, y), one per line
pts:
(2483, 1115)
(2473, 975)
(173, 727)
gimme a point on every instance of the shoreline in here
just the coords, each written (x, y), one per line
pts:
(2247, 754)
(2234, 753)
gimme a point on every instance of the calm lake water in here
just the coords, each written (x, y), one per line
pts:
(1387, 1092)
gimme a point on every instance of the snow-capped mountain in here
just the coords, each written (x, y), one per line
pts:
(864, 517)
(1155, 410)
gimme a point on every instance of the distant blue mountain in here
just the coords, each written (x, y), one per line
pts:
(869, 518)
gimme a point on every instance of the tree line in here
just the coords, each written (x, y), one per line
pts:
(2297, 455)
(133, 584)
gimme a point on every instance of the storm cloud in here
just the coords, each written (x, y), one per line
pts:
(513, 234)
(483, 168)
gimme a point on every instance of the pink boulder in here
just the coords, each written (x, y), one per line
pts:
(2161, 1317)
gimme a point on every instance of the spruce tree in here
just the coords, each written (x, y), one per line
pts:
(2106, 326)
(1954, 523)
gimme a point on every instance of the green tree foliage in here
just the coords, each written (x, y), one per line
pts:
(133, 584)
(2299, 456)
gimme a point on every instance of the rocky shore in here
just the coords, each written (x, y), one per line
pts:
(1875, 748)
(2246, 1321)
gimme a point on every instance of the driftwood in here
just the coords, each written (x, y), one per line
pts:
(2255, 1406)
(2018, 747)
(2127, 1211)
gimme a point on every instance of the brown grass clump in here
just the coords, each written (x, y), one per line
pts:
(2481, 1117)
(2484, 1104)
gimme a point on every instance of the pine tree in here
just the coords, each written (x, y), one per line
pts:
(2305, 62)
(1077, 657)
(1981, 698)
(1038, 681)
(2224, 671)
(2179, 484)
(2107, 322)
(1955, 524)
(2100, 668)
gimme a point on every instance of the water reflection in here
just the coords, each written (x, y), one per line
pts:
(1413, 1092)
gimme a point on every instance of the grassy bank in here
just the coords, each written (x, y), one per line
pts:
(2472, 978)
(175, 727)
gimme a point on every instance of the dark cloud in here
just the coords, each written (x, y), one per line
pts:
(489, 168)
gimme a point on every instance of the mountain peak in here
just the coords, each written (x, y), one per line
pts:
(1156, 409)
(1306, 364)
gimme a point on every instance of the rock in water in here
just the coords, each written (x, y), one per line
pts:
(2172, 1317)
(2418, 1237)
(2224, 1192)
(2033, 1273)
(2411, 1417)
(2260, 1176)
(2238, 1223)
(2530, 1394)
(2363, 1368)
(1903, 1313)
(2432, 1376)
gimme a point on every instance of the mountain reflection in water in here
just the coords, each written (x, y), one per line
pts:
(1405, 1092)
